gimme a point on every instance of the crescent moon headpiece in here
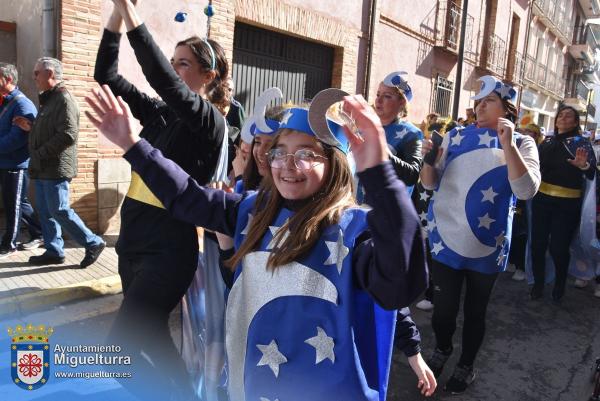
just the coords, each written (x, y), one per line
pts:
(491, 84)
(314, 121)
(397, 79)
(257, 124)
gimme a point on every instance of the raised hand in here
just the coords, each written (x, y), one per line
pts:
(112, 117)
(370, 147)
(505, 132)
(581, 159)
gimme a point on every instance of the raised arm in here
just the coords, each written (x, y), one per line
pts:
(142, 106)
(159, 73)
(389, 259)
(181, 195)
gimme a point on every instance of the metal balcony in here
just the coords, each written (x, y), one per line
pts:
(553, 14)
(447, 29)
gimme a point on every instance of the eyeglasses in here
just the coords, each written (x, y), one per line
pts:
(304, 159)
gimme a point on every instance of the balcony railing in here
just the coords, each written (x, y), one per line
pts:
(556, 16)
(537, 73)
(496, 55)
(447, 29)
(518, 73)
(584, 35)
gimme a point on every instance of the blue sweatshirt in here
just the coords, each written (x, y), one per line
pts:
(13, 140)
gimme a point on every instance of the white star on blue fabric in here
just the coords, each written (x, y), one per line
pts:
(486, 139)
(431, 225)
(337, 252)
(286, 117)
(489, 195)
(504, 91)
(245, 230)
(456, 139)
(274, 230)
(323, 345)
(271, 357)
(485, 221)
(423, 196)
(423, 216)
(437, 247)
(401, 134)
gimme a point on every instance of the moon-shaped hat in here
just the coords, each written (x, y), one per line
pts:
(491, 84)
(397, 79)
(257, 124)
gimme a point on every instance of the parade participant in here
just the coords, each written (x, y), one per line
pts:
(158, 254)
(403, 138)
(566, 161)
(315, 319)
(476, 173)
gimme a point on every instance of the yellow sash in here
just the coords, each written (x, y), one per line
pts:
(140, 192)
(558, 191)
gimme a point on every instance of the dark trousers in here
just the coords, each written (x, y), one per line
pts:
(553, 225)
(17, 209)
(518, 247)
(448, 287)
(152, 286)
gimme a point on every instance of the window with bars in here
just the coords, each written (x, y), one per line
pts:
(442, 96)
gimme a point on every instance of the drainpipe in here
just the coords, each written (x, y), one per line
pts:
(48, 29)
(459, 63)
(527, 34)
(372, 22)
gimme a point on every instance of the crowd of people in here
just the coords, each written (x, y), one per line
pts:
(322, 224)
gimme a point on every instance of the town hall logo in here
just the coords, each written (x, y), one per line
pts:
(30, 355)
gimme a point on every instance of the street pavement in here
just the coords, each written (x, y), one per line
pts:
(533, 351)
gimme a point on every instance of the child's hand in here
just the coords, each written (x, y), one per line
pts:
(427, 382)
(112, 117)
(370, 148)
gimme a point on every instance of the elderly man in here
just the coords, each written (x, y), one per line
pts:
(53, 149)
(14, 159)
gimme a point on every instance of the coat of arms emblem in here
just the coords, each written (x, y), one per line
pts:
(30, 355)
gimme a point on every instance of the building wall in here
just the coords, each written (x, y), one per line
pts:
(27, 14)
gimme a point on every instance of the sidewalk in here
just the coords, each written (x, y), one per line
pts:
(25, 288)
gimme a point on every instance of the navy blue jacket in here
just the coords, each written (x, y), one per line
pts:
(14, 153)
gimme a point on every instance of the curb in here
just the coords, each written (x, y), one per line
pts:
(21, 305)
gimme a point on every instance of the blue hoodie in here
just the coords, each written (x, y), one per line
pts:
(13, 140)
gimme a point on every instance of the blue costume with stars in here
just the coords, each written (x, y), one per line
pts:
(470, 214)
(321, 327)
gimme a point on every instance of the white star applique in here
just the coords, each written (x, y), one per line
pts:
(286, 117)
(486, 139)
(323, 345)
(423, 216)
(245, 230)
(485, 221)
(504, 91)
(423, 196)
(500, 239)
(271, 357)
(274, 230)
(489, 195)
(337, 252)
(456, 139)
(431, 225)
(401, 134)
(437, 247)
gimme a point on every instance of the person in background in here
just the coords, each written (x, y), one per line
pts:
(53, 149)
(14, 160)
(566, 161)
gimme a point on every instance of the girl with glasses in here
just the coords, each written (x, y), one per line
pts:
(310, 313)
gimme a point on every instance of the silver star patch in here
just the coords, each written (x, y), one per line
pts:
(485, 221)
(323, 345)
(286, 117)
(423, 196)
(401, 134)
(437, 247)
(457, 139)
(489, 195)
(271, 357)
(486, 139)
(337, 252)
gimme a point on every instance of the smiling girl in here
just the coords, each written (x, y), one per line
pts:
(310, 314)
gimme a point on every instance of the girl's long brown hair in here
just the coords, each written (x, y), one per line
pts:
(305, 226)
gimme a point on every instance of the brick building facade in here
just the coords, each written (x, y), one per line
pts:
(421, 40)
